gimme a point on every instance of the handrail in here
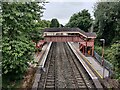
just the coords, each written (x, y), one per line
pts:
(107, 64)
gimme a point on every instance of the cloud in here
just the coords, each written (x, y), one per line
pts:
(73, 0)
(64, 10)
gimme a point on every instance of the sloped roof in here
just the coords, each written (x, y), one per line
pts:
(66, 29)
(91, 34)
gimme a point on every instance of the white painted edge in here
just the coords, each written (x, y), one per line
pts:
(37, 75)
(45, 56)
(83, 64)
(89, 71)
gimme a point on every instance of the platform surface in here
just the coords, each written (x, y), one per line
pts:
(39, 54)
(94, 63)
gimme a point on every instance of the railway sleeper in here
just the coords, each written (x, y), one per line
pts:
(52, 75)
(49, 86)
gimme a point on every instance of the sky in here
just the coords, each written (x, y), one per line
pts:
(64, 9)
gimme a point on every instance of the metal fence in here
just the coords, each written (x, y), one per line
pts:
(107, 64)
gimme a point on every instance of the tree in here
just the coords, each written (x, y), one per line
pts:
(81, 20)
(54, 23)
(107, 21)
(44, 23)
(61, 25)
(107, 26)
(36, 34)
(114, 57)
(19, 19)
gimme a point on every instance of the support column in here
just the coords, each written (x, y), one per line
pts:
(79, 46)
(86, 48)
(92, 50)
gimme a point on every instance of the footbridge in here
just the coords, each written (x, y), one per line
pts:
(85, 39)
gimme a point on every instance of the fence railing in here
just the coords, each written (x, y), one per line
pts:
(107, 64)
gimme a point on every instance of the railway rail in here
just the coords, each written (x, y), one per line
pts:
(63, 70)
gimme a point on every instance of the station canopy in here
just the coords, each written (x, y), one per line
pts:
(76, 30)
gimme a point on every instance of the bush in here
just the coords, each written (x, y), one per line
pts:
(112, 54)
(16, 55)
(114, 57)
(98, 49)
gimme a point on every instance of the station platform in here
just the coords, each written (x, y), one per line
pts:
(38, 55)
(94, 63)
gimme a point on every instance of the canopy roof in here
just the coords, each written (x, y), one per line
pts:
(65, 29)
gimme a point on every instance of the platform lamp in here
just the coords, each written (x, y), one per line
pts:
(103, 42)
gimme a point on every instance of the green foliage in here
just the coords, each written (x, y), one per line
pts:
(54, 23)
(107, 26)
(112, 54)
(36, 34)
(98, 49)
(114, 57)
(16, 55)
(19, 20)
(107, 21)
(61, 25)
(81, 20)
(44, 24)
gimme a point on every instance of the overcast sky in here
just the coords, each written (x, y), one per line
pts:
(64, 9)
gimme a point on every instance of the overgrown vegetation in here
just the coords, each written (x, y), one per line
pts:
(36, 34)
(107, 26)
(81, 20)
(18, 21)
(107, 21)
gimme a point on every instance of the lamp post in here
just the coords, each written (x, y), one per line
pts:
(103, 41)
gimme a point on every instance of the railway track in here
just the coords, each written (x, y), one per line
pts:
(62, 70)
